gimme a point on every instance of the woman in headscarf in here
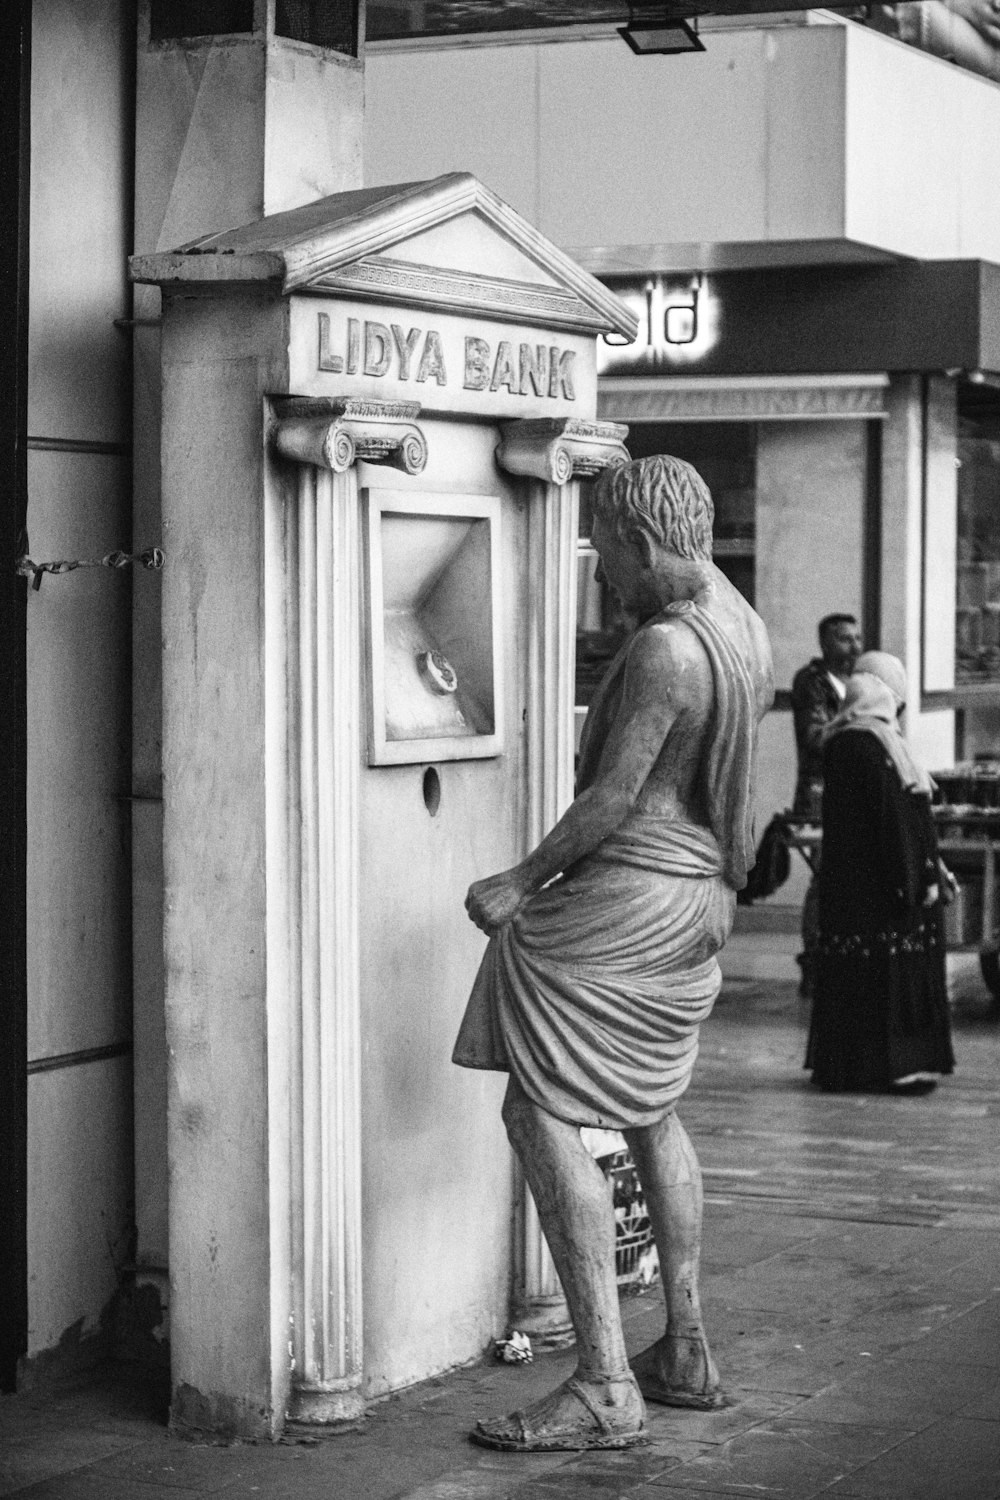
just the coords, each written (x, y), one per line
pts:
(880, 1014)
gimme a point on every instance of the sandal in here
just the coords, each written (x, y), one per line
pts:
(646, 1368)
(527, 1432)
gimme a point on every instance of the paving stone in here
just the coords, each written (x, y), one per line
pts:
(568, 1487)
(851, 1279)
(662, 1490)
(181, 1465)
(986, 1405)
(909, 1321)
(955, 1459)
(972, 1338)
(474, 1484)
(43, 1451)
(788, 1457)
(605, 1475)
(767, 1352)
(673, 1425)
(907, 1392)
(90, 1484)
(632, 1466)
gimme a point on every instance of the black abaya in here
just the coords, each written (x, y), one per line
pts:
(880, 1010)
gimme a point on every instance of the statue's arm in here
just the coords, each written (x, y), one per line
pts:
(666, 672)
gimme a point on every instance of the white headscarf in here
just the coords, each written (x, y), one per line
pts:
(889, 669)
(873, 698)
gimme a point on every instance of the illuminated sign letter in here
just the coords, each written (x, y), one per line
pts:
(378, 349)
(432, 360)
(477, 364)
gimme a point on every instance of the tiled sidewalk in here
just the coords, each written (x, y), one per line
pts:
(852, 1287)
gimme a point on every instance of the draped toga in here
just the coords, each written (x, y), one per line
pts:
(593, 994)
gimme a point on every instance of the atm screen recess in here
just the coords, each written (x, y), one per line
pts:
(433, 632)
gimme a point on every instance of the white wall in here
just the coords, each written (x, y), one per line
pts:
(810, 556)
(224, 134)
(79, 1180)
(79, 963)
(920, 131)
(216, 368)
(828, 133)
(810, 548)
(598, 147)
(436, 1168)
(810, 532)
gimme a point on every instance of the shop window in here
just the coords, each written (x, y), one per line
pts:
(977, 622)
(176, 18)
(725, 455)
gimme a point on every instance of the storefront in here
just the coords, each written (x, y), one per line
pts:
(847, 421)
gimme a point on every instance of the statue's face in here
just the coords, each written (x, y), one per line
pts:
(620, 565)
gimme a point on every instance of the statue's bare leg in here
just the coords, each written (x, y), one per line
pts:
(600, 1405)
(678, 1370)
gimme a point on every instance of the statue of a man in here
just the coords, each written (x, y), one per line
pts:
(593, 986)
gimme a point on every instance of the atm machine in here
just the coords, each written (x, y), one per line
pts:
(376, 413)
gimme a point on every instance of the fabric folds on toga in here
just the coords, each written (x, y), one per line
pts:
(593, 995)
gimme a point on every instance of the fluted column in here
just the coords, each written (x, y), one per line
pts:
(326, 1330)
(323, 558)
(554, 454)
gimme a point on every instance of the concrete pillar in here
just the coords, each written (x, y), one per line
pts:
(228, 129)
(919, 499)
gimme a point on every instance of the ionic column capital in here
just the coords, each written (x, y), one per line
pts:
(335, 434)
(558, 449)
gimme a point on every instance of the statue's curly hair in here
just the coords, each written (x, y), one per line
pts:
(662, 496)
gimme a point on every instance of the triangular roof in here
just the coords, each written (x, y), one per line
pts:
(339, 245)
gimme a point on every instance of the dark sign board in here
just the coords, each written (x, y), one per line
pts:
(931, 315)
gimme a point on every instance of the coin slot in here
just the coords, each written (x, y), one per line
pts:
(432, 791)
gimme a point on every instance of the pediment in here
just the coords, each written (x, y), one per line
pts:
(449, 243)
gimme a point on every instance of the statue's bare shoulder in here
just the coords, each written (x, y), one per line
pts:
(666, 656)
(670, 686)
(667, 663)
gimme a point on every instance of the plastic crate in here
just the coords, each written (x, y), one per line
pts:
(636, 1261)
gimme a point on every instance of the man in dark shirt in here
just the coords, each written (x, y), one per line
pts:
(817, 693)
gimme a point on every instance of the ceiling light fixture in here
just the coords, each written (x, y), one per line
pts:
(652, 31)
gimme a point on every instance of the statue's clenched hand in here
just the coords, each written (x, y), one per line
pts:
(495, 901)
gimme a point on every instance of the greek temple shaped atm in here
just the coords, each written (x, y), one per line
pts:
(376, 411)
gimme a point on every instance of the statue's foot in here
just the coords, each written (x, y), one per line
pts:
(578, 1414)
(678, 1370)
